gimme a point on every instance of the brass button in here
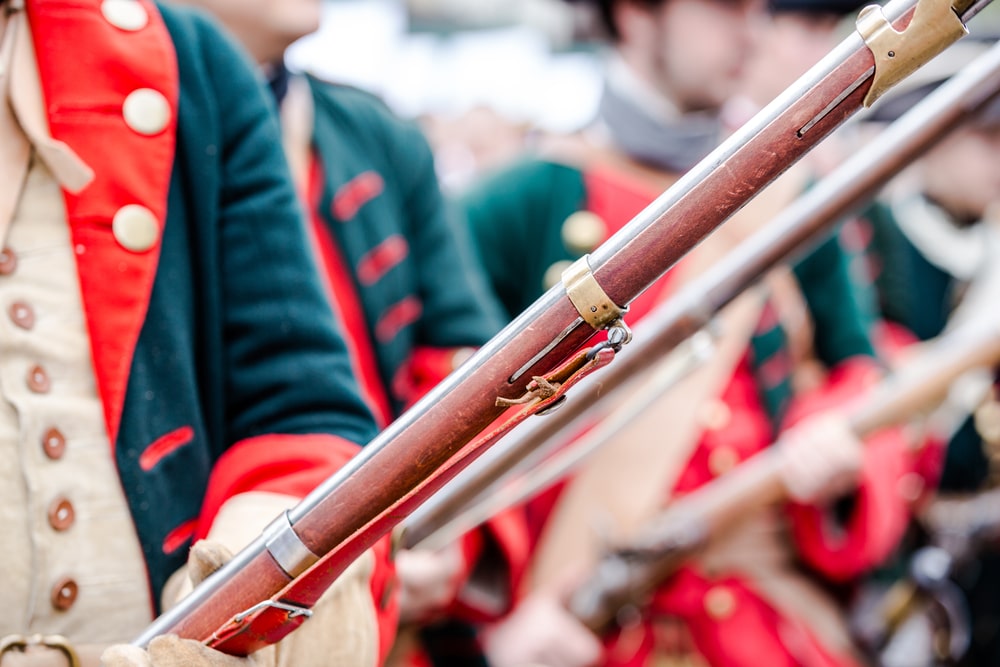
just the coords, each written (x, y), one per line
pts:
(61, 514)
(722, 459)
(720, 603)
(38, 380)
(714, 415)
(146, 111)
(553, 274)
(583, 231)
(54, 444)
(8, 262)
(64, 594)
(135, 228)
(22, 314)
(125, 14)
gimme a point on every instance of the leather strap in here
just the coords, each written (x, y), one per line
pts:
(270, 621)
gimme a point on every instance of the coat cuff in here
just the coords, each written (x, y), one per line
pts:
(496, 556)
(844, 547)
(294, 465)
(279, 463)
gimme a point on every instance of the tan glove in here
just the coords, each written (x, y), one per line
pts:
(342, 631)
(540, 631)
(820, 458)
(428, 581)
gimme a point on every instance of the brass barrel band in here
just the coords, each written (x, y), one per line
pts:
(588, 297)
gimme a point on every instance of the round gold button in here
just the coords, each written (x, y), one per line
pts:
(146, 111)
(22, 314)
(722, 459)
(38, 380)
(583, 231)
(720, 603)
(125, 14)
(64, 594)
(714, 415)
(8, 262)
(135, 228)
(61, 514)
(54, 444)
(553, 274)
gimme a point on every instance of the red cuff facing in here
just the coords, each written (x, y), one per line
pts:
(426, 368)
(279, 463)
(881, 509)
(876, 523)
(497, 556)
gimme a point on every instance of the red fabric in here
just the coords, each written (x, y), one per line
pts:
(424, 370)
(294, 465)
(346, 304)
(279, 463)
(752, 635)
(506, 532)
(89, 119)
(746, 432)
(385, 594)
(616, 199)
(881, 513)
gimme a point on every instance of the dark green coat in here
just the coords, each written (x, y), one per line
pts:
(381, 202)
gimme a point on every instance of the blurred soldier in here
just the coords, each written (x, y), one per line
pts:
(748, 601)
(411, 299)
(169, 369)
(934, 248)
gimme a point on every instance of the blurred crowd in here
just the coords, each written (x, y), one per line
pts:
(242, 238)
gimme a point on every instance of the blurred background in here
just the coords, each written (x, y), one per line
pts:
(483, 77)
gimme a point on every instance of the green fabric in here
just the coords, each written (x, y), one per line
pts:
(356, 133)
(515, 221)
(912, 291)
(920, 296)
(238, 340)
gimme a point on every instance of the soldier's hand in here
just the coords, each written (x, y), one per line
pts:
(341, 631)
(541, 631)
(428, 581)
(173, 651)
(820, 459)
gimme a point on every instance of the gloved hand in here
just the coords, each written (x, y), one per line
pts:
(428, 581)
(541, 631)
(820, 458)
(342, 630)
(172, 651)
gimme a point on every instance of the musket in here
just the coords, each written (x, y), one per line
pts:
(628, 574)
(495, 482)
(959, 530)
(266, 591)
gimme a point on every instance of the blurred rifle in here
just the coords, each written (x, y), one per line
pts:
(266, 591)
(512, 472)
(629, 574)
(925, 613)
